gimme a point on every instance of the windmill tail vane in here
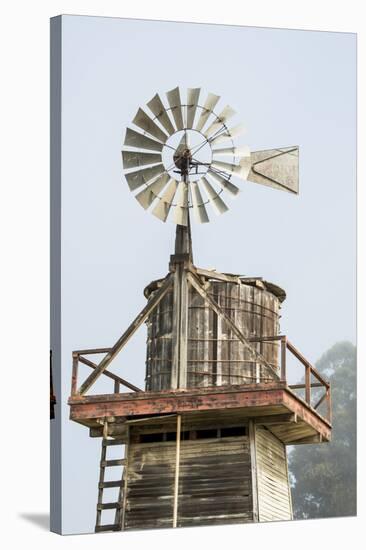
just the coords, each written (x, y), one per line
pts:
(184, 155)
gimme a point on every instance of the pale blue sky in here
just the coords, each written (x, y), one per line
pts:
(290, 88)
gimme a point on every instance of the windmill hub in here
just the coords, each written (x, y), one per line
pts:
(183, 160)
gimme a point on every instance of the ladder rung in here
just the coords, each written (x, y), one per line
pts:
(108, 442)
(106, 484)
(119, 462)
(109, 505)
(111, 527)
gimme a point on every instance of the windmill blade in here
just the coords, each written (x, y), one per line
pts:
(240, 170)
(193, 95)
(142, 120)
(208, 107)
(183, 144)
(163, 206)
(198, 206)
(135, 139)
(239, 152)
(277, 168)
(229, 134)
(142, 177)
(176, 107)
(214, 197)
(222, 118)
(131, 159)
(147, 196)
(156, 106)
(181, 204)
(224, 183)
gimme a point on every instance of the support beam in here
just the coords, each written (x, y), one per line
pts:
(141, 318)
(276, 419)
(217, 309)
(253, 460)
(117, 379)
(176, 476)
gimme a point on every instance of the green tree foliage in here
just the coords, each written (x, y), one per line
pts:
(323, 476)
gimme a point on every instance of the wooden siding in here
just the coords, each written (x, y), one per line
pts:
(274, 497)
(215, 356)
(214, 483)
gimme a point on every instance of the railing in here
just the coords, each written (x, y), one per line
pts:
(285, 346)
(78, 357)
(309, 371)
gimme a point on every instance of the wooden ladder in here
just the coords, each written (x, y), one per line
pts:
(118, 505)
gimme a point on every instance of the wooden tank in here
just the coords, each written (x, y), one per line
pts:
(215, 356)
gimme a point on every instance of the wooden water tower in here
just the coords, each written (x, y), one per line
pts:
(205, 441)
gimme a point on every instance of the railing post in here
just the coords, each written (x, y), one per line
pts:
(329, 405)
(283, 358)
(74, 378)
(116, 386)
(307, 384)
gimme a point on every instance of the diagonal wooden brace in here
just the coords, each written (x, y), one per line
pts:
(217, 309)
(141, 318)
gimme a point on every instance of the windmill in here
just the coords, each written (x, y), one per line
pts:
(205, 441)
(173, 169)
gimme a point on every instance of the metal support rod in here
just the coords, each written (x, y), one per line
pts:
(176, 477)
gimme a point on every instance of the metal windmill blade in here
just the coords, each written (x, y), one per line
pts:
(239, 152)
(220, 122)
(198, 204)
(176, 107)
(142, 120)
(156, 106)
(139, 141)
(133, 159)
(148, 195)
(193, 95)
(170, 177)
(163, 206)
(229, 134)
(207, 110)
(214, 197)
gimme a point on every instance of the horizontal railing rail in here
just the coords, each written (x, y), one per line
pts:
(310, 370)
(285, 347)
(78, 357)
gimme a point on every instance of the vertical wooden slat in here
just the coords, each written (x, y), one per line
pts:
(125, 484)
(100, 488)
(283, 358)
(307, 384)
(329, 405)
(75, 367)
(175, 332)
(183, 335)
(116, 386)
(253, 461)
(289, 487)
(176, 476)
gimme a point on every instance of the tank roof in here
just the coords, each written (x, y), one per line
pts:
(258, 282)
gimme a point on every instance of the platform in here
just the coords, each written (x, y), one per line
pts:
(273, 405)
